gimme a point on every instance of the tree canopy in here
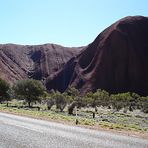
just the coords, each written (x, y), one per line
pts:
(29, 90)
(4, 88)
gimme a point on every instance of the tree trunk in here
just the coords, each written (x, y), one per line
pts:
(71, 108)
(48, 107)
(93, 114)
(77, 121)
(62, 107)
(7, 104)
(130, 108)
(29, 104)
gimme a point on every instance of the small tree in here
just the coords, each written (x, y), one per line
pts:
(4, 91)
(134, 101)
(99, 98)
(50, 101)
(103, 98)
(121, 100)
(142, 103)
(60, 100)
(90, 99)
(75, 99)
(30, 90)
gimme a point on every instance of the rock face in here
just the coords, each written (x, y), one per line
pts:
(38, 62)
(116, 61)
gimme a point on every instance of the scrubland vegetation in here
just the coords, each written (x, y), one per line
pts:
(123, 111)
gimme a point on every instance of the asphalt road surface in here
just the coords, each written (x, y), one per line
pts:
(23, 132)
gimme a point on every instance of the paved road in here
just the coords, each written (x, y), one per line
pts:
(23, 132)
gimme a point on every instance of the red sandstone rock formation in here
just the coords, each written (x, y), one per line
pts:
(116, 61)
(37, 62)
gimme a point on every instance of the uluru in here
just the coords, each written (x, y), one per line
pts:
(19, 62)
(116, 61)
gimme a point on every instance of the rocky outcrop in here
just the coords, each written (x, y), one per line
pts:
(116, 61)
(38, 62)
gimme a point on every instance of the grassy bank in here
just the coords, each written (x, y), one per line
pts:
(105, 119)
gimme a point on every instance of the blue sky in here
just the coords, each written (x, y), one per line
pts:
(64, 22)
